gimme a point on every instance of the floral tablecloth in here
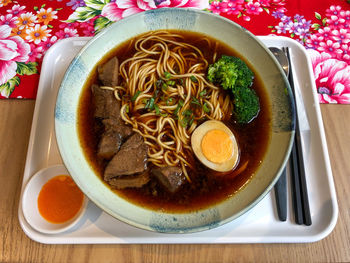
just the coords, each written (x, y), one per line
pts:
(29, 27)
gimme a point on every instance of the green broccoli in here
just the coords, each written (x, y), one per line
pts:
(246, 104)
(231, 73)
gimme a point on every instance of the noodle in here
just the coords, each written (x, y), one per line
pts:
(170, 96)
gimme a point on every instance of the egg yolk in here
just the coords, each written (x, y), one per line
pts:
(217, 146)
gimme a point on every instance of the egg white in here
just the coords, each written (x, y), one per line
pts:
(196, 140)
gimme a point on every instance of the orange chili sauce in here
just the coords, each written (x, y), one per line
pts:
(60, 199)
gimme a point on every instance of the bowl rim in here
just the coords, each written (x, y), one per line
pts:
(250, 205)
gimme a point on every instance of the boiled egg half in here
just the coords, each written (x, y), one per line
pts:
(215, 146)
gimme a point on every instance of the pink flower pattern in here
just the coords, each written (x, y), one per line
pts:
(12, 49)
(332, 78)
(245, 9)
(119, 9)
(67, 32)
(8, 20)
(328, 44)
(16, 10)
(327, 38)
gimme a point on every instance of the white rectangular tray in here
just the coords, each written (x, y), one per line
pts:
(259, 225)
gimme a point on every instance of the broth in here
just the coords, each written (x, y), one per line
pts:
(207, 187)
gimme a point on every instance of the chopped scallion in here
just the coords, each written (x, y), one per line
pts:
(171, 82)
(164, 86)
(193, 78)
(187, 112)
(168, 101)
(179, 105)
(167, 75)
(202, 93)
(156, 107)
(150, 104)
(184, 122)
(205, 108)
(137, 93)
(195, 101)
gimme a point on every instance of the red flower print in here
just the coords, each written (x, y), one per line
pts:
(217, 7)
(253, 8)
(16, 10)
(35, 53)
(112, 11)
(333, 11)
(341, 35)
(345, 53)
(19, 32)
(330, 47)
(335, 22)
(233, 7)
(314, 41)
(265, 3)
(8, 20)
(26, 20)
(346, 16)
(326, 32)
(38, 33)
(115, 10)
(46, 15)
(67, 32)
(69, 25)
(331, 76)
(5, 2)
(12, 49)
(45, 45)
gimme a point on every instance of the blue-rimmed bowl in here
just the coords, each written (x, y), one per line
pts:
(246, 44)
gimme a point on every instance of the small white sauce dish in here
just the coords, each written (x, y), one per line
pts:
(30, 202)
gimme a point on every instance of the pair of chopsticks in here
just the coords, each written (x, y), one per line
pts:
(299, 187)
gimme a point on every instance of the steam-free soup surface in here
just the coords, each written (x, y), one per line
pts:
(207, 187)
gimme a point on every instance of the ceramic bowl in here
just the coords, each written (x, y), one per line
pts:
(30, 205)
(281, 101)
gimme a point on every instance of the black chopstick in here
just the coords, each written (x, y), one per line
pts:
(300, 195)
(281, 196)
(296, 193)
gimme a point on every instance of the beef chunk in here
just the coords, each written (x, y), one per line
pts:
(131, 158)
(170, 177)
(130, 181)
(109, 145)
(108, 72)
(114, 135)
(106, 105)
(116, 126)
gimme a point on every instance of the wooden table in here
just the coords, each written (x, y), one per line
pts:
(15, 246)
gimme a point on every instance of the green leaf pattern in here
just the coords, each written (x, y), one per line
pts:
(7, 88)
(83, 14)
(29, 68)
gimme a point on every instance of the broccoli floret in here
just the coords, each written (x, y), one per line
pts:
(231, 73)
(246, 104)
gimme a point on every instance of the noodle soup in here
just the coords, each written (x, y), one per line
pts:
(163, 95)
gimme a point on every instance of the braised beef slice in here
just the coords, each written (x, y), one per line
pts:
(109, 145)
(108, 72)
(170, 177)
(130, 181)
(112, 125)
(131, 158)
(106, 105)
(114, 135)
